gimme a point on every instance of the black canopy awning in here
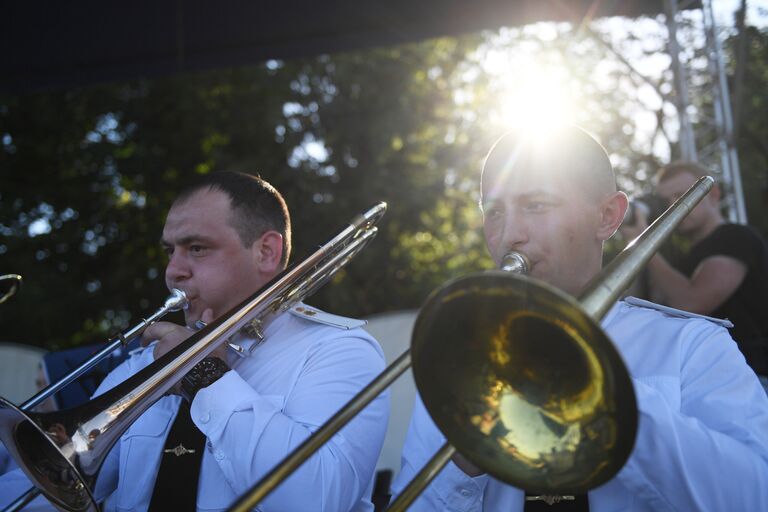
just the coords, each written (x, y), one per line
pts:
(65, 43)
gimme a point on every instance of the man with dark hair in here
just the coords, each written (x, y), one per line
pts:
(702, 439)
(238, 414)
(725, 272)
(257, 207)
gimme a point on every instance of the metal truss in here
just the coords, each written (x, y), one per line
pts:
(706, 128)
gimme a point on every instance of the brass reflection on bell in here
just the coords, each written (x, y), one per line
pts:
(523, 383)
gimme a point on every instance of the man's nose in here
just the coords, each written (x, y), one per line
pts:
(516, 231)
(177, 269)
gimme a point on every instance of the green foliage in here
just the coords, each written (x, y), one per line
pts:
(88, 174)
(752, 128)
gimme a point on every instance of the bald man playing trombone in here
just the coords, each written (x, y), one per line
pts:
(702, 438)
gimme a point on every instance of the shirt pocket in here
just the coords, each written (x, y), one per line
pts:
(223, 474)
(141, 449)
(613, 496)
(610, 497)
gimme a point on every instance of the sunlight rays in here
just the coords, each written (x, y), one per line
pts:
(535, 98)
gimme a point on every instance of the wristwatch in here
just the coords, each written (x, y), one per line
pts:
(202, 375)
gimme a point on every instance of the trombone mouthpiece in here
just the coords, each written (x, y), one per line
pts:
(176, 301)
(516, 262)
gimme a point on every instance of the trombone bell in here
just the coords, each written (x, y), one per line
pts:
(524, 383)
(43, 446)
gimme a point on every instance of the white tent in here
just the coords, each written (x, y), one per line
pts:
(393, 331)
(18, 371)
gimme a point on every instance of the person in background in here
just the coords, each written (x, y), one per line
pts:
(724, 273)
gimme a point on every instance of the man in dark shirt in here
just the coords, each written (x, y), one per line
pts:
(725, 272)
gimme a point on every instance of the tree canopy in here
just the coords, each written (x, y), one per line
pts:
(88, 174)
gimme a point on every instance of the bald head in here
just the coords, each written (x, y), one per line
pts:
(565, 153)
(553, 199)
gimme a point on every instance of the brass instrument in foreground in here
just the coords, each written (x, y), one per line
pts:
(551, 407)
(176, 301)
(519, 377)
(61, 452)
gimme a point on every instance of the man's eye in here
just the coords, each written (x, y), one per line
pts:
(196, 249)
(168, 250)
(493, 212)
(536, 206)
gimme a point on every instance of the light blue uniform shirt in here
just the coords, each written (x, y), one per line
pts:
(702, 440)
(253, 417)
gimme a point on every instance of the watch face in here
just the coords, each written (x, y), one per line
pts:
(203, 374)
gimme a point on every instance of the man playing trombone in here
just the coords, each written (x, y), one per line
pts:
(239, 411)
(702, 437)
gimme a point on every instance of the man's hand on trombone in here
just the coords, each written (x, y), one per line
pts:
(169, 335)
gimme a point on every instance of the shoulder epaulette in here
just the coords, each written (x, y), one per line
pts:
(321, 317)
(677, 313)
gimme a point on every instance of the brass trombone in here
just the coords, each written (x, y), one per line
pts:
(62, 452)
(529, 351)
(176, 301)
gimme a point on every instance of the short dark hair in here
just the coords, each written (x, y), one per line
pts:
(567, 147)
(669, 171)
(257, 206)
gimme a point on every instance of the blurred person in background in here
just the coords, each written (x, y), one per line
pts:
(724, 273)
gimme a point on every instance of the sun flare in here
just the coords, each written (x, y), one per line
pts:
(531, 95)
(535, 103)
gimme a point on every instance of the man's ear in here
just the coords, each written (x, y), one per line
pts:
(612, 210)
(268, 251)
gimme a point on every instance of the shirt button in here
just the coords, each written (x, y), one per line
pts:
(205, 417)
(219, 456)
(466, 493)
